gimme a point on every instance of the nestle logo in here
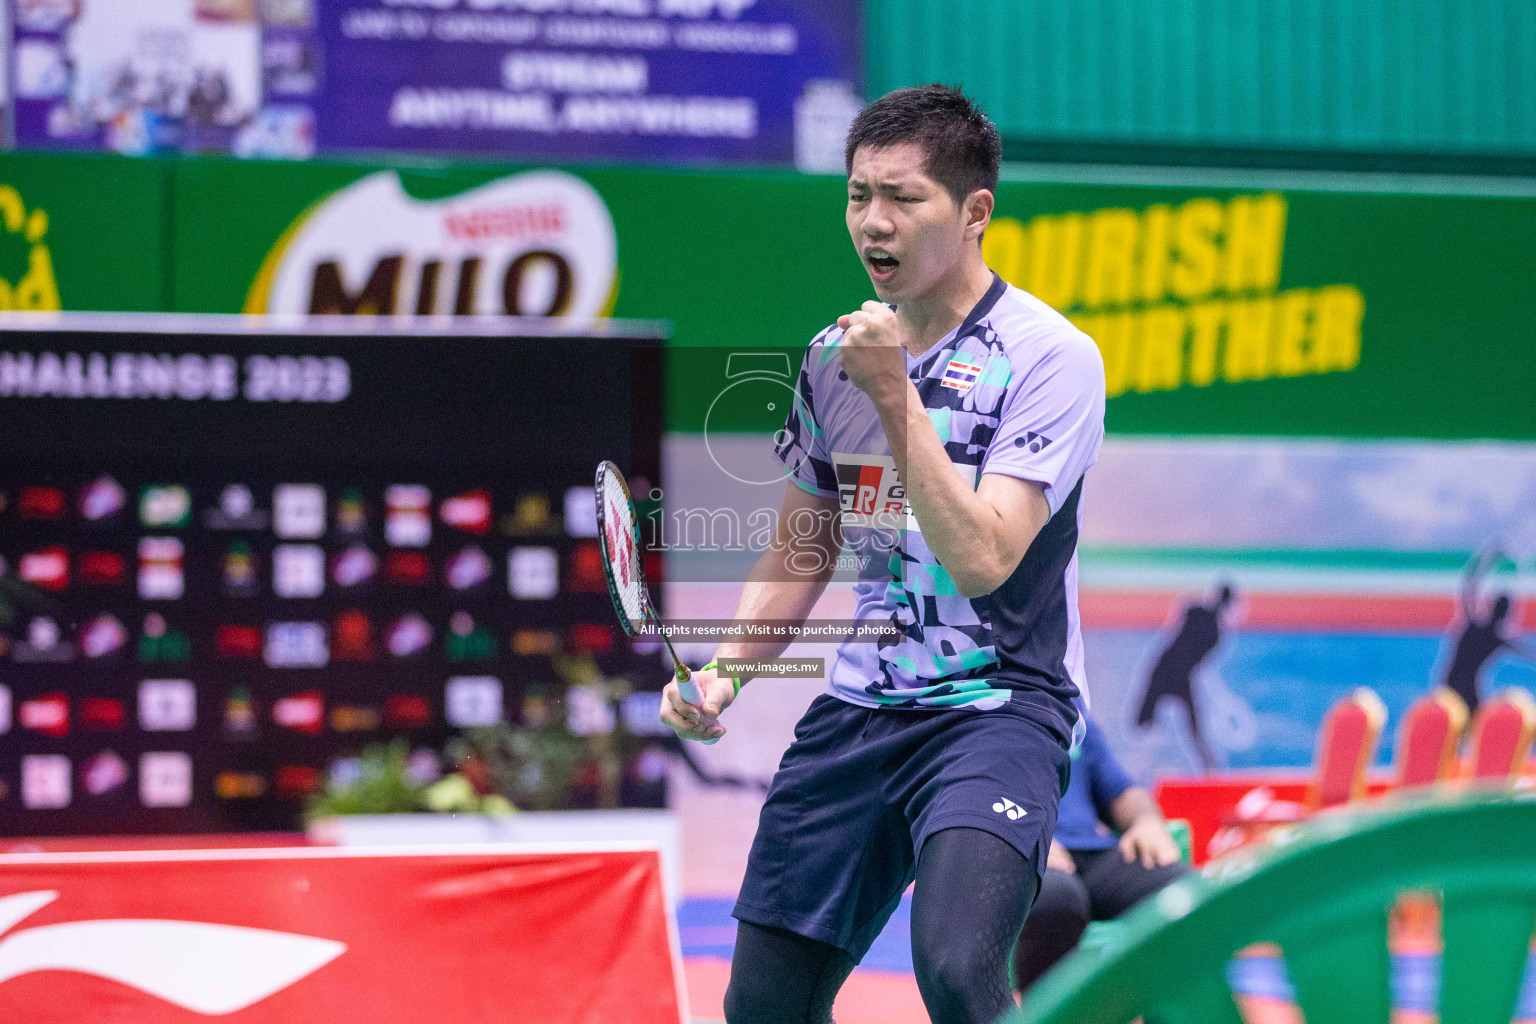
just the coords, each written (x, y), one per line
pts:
(505, 222)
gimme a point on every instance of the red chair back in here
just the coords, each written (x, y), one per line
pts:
(1346, 746)
(1429, 737)
(1501, 736)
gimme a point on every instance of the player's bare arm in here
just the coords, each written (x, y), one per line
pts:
(784, 585)
(980, 536)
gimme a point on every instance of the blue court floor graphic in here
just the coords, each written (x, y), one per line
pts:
(706, 928)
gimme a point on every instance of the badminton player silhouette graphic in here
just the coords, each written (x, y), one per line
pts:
(1173, 673)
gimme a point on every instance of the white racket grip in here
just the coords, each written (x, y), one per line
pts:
(690, 693)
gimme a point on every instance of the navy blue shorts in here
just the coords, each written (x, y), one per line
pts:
(861, 789)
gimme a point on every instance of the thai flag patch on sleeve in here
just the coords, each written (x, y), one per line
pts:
(961, 374)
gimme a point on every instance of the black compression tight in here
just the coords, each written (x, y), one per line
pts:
(973, 894)
(778, 977)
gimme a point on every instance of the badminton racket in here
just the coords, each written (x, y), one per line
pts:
(618, 535)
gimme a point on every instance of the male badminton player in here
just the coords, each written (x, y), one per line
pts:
(939, 756)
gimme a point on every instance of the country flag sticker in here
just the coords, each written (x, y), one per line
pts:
(961, 374)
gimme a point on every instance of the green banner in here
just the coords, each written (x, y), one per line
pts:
(719, 255)
(1294, 313)
(733, 261)
(1219, 311)
(83, 232)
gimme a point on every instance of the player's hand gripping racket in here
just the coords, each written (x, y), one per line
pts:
(619, 535)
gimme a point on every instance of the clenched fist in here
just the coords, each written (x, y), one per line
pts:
(871, 352)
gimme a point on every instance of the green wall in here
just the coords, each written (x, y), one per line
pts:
(1421, 76)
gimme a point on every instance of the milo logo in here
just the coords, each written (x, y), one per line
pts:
(540, 243)
(26, 265)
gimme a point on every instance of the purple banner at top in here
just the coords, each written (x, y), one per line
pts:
(756, 81)
(765, 81)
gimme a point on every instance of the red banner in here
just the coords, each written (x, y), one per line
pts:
(1214, 806)
(332, 935)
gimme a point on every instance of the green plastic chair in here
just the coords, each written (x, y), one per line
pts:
(1183, 838)
(1323, 894)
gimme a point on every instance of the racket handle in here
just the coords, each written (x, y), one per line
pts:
(690, 693)
(687, 687)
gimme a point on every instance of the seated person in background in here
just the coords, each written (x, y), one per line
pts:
(1092, 874)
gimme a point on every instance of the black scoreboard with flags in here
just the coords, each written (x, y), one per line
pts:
(238, 550)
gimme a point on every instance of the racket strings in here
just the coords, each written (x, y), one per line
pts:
(618, 523)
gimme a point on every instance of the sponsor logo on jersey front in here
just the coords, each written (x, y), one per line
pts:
(871, 495)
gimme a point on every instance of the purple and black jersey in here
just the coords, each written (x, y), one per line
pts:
(1015, 390)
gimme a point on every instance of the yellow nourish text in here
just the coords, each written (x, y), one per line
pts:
(1182, 295)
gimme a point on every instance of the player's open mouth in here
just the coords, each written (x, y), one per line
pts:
(881, 263)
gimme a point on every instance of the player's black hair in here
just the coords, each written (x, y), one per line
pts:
(960, 142)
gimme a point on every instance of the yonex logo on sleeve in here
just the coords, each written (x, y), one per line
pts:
(1033, 441)
(1008, 807)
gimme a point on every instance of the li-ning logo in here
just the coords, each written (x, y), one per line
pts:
(1008, 807)
(206, 968)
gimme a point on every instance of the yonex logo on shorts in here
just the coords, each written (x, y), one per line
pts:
(1008, 807)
